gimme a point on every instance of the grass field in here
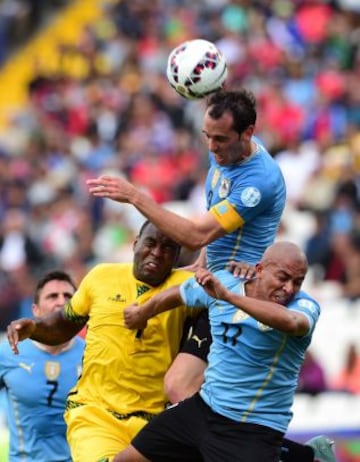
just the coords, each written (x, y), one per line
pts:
(4, 438)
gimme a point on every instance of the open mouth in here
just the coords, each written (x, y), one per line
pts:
(152, 266)
(281, 299)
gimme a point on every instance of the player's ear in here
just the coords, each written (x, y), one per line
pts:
(35, 310)
(135, 242)
(259, 268)
(249, 131)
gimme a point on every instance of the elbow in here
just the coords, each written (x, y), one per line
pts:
(290, 327)
(195, 241)
(173, 390)
(173, 395)
(193, 246)
(198, 235)
(296, 328)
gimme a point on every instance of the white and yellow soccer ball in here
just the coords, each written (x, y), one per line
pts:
(196, 68)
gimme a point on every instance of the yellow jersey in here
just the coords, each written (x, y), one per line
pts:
(123, 372)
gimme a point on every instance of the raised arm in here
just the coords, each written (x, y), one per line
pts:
(267, 312)
(136, 316)
(53, 329)
(191, 234)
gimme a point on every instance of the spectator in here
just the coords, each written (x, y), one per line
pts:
(348, 379)
(17, 249)
(312, 377)
(351, 284)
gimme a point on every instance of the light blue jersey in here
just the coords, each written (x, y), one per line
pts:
(247, 200)
(37, 384)
(252, 369)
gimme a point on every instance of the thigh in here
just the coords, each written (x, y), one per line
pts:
(95, 434)
(231, 441)
(172, 436)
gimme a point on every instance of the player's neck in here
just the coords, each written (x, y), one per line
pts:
(253, 149)
(247, 154)
(54, 349)
(250, 287)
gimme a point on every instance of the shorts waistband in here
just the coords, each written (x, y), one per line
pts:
(141, 414)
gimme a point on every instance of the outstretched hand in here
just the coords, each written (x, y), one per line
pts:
(210, 283)
(134, 317)
(19, 330)
(115, 188)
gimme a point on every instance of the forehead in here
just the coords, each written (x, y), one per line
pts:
(151, 232)
(295, 268)
(222, 125)
(56, 286)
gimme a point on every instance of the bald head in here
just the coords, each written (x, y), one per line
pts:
(280, 273)
(281, 252)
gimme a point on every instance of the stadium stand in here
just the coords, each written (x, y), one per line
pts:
(42, 53)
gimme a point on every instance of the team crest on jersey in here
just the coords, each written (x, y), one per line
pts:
(250, 196)
(239, 315)
(224, 188)
(141, 289)
(215, 178)
(52, 370)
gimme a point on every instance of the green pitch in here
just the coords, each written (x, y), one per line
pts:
(4, 445)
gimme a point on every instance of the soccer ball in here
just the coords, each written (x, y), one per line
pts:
(196, 68)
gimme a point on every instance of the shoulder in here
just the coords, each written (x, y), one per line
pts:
(106, 271)
(110, 267)
(178, 276)
(227, 278)
(304, 302)
(262, 155)
(7, 357)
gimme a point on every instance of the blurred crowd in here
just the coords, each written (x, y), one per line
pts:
(301, 58)
(314, 379)
(20, 20)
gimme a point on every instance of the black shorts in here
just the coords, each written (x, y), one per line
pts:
(191, 432)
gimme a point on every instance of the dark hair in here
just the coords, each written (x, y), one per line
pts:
(143, 227)
(146, 224)
(240, 103)
(56, 275)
